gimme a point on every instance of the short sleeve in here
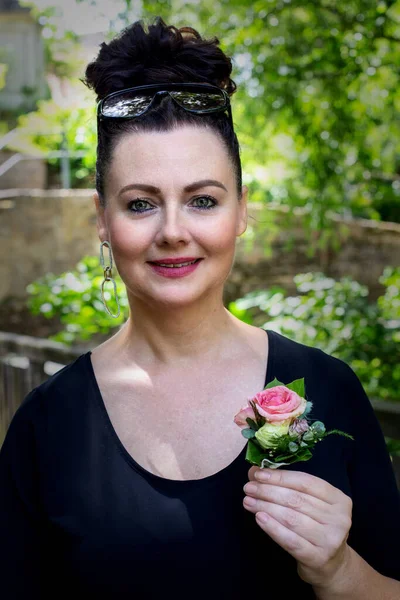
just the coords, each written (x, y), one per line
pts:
(375, 531)
(23, 528)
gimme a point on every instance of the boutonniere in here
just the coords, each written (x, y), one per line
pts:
(277, 426)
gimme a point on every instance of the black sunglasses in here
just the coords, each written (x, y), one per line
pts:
(197, 98)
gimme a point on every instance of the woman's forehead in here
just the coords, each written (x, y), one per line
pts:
(186, 154)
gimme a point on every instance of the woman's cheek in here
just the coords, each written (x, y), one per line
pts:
(220, 236)
(129, 240)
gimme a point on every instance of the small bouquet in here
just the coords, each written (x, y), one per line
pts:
(277, 426)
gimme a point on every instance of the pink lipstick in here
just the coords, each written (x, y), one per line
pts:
(175, 267)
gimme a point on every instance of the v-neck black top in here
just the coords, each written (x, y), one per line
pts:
(79, 514)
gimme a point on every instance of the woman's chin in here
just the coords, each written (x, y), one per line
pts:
(173, 299)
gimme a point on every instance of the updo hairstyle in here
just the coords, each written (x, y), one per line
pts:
(163, 54)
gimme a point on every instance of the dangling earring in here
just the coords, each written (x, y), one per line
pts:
(108, 277)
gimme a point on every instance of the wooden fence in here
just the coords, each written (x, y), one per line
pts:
(25, 362)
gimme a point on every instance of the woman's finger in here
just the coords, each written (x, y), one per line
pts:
(308, 505)
(304, 526)
(302, 482)
(300, 548)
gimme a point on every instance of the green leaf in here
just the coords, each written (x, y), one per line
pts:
(338, 432)
(273, 383)
(318, 427)
(297, 386)
(248, 433)
(252, 424)
(253, 454)
(282, 457)
(305, 455)
(302, 455)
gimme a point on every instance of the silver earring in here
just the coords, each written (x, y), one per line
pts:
(108, 277)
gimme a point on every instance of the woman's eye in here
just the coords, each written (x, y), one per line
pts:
(205, 202)
(201, 202)
(139, 206)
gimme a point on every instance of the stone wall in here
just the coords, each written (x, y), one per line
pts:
(51, 230)
(365, 248)
(43, 231)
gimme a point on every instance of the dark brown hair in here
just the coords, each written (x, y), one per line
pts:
(162, 54)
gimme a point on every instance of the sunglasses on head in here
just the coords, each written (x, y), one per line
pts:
(197, 98)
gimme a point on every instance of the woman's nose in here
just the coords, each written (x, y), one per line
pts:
(173, 227)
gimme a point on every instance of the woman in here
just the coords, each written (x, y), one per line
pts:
(124, 472)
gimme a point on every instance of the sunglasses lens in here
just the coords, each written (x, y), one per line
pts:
(125, 105)
(131, 105)
(199, 102)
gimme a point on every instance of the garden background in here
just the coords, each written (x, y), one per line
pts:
(317, 117)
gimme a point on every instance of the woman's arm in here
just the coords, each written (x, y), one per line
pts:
(346, 548)
(376, 514)
(25, 565)
(310, 519)
(357, 580)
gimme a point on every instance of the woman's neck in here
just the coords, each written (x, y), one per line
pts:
(171, 336)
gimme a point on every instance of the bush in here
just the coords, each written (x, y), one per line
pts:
(336, 317)
(75, 299)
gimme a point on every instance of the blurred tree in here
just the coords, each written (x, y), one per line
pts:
(317, 80)
(62, 47)
(3, 73)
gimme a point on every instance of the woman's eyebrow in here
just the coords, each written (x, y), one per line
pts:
(189, 188)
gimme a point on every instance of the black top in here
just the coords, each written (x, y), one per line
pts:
(77, 513)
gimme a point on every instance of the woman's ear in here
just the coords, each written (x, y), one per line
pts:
(242, 217)
(101, 221)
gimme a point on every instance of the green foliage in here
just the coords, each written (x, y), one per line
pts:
(53, 128)
(390, 302)
(61, 47)
(3, 72)
(287, 451)
(336, 317)
(318, 82)
(393, 446)
(67, 120)
(75, 298)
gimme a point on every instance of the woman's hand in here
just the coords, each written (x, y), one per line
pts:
(306, 516)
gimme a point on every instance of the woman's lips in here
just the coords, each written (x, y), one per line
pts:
(174, 272)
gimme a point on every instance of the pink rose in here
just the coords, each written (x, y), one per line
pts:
(276, 404)
(279, 403)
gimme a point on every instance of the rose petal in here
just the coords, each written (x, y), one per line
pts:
(244, 413)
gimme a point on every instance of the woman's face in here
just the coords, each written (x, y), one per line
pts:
(156, 210)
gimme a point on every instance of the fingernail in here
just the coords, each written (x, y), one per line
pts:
(250, 488)
(262, 474)
(250, 501)
(260, 516)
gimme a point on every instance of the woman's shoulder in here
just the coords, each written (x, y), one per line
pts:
(66, 385)
(290, 355)
(331, 384)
